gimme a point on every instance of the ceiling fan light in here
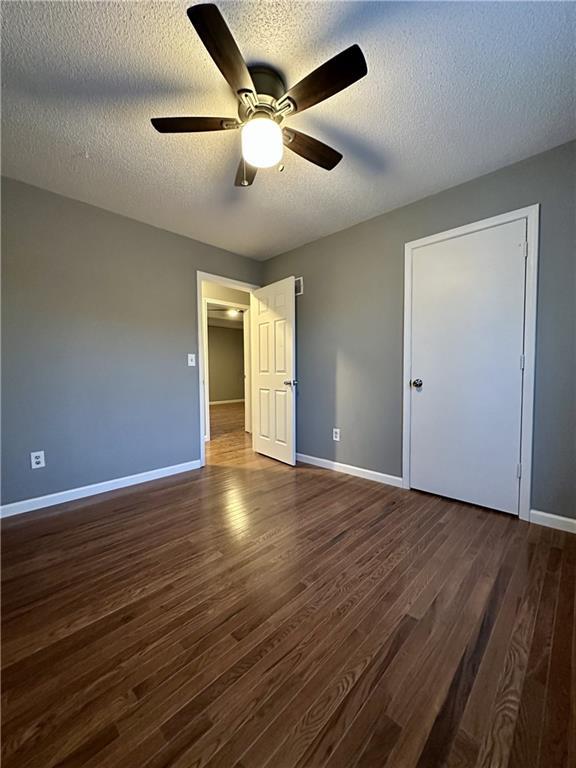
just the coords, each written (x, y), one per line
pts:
(262, 143)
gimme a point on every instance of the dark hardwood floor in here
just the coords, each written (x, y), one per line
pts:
(251, 614)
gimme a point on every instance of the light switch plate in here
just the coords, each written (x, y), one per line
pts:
(191, 359)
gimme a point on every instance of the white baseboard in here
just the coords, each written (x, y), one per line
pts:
(348, 469)
(223, 402)
(553, 521)
(29, 505)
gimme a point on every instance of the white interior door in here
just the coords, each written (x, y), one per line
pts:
(467, 344)
(272, 311)
(247, 373)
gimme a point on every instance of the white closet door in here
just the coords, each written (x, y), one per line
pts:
(467, 343)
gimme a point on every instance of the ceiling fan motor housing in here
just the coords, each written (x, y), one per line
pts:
(270, 87)
(267, 81)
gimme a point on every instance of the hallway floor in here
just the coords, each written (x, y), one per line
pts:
(227, 419)
(251, 614)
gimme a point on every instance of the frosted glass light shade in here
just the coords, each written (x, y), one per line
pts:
(262, 143)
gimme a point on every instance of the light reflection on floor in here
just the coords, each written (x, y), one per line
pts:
(236, 513)
(230, 447)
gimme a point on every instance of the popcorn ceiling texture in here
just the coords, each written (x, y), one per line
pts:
(453, 91)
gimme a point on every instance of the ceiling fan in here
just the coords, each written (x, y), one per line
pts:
(264, 100)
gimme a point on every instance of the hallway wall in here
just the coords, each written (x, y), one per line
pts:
(226, 363)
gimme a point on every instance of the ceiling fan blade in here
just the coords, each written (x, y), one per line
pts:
(330, 78)
(245, 174)
(218, 41)
(193, 124)
(311, 149)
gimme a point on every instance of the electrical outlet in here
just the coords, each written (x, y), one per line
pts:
(37, 459)
(192, 360)
(336, 435)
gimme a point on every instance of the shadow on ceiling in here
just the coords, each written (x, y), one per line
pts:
(356, 149)
(358, 17)
(98, 89)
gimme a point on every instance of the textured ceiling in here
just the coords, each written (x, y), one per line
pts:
(454, 90)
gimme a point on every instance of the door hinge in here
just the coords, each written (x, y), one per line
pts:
(519, 470)
(522, 362)
(525, 248)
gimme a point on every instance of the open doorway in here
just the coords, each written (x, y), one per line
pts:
(269, 355)
(227, 368)
(224, 308)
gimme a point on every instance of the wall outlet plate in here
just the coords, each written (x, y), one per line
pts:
(37, 460)
(336, 435)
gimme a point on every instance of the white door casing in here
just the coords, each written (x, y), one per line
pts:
(247, 372)
(272, 311)
(205, 383)
(469, 336)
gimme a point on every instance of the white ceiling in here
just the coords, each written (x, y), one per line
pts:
(454, 90)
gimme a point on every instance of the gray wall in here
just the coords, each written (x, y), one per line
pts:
(223, 293)
(226, 363)
(350, 318)
(99, 313)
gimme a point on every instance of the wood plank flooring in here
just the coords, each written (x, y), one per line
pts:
(251, 614)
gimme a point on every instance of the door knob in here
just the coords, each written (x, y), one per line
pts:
(290, 383)
(416, 383)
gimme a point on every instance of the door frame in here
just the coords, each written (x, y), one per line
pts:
(202, 324)
(247, 338)
(532, 215)
(206, 349)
